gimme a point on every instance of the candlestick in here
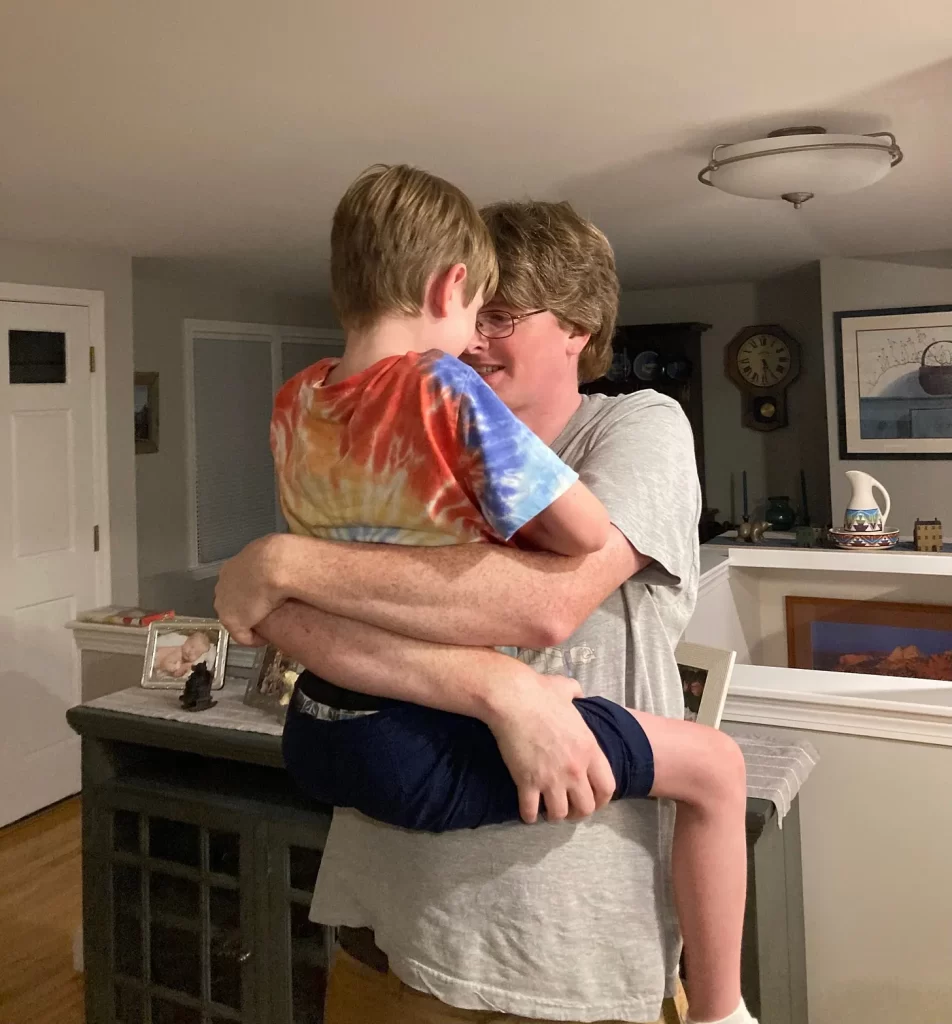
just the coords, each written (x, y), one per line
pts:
(804, 509)
(744, 480)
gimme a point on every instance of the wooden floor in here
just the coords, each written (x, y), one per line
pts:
(40, 910)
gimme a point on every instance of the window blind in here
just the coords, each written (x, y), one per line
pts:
(234, 472)
(297, 356)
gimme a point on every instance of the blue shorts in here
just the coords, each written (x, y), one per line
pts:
(434, 771)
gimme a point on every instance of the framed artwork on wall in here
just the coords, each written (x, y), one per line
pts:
(894, 382)
(146, 404)
(878, 638)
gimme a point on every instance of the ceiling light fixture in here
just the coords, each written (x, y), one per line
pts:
(797, 164)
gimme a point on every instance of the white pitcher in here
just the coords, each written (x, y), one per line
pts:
(863, 515)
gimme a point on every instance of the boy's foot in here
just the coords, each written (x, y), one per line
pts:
(740, 1016)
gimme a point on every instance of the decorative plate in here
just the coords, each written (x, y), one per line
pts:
(873, 541)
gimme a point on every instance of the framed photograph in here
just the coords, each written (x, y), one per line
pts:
(175, 646)
(146, 404)
(880, 638)
(705, 676)
(272, 680)
(894, 382)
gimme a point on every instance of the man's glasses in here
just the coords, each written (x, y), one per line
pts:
(494, 324)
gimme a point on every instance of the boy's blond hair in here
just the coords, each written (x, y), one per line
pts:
(551, 258)
(393, 229)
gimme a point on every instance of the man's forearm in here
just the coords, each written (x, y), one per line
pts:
(465, 680)
(477, 594)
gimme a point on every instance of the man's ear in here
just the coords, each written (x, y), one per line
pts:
(443, 289)
(577, 340)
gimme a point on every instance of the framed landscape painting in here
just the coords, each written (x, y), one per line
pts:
(882, 638)
(894, 382)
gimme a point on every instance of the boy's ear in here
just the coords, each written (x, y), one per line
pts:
(445, 287)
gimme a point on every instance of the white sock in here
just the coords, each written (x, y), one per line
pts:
(740, 1016)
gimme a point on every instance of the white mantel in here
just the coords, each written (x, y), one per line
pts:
(762, 556)
(740, 602)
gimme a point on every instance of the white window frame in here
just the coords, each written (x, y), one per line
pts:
(276, 337)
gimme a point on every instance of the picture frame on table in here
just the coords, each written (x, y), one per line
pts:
(894, 382)
(890, 638)
(705, 678)
(271, 681)
(175, 646)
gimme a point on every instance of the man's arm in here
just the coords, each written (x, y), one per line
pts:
(548, 748)
(480, 594)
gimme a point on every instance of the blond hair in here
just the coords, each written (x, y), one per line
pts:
(551, 258)
(395, 227)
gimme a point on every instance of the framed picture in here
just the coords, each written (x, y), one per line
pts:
(175, 646)
(146, 404)
(705, 676)
(894, 382)
(880, 638)
(272, 680)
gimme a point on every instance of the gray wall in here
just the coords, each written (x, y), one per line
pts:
(111, 273)
(793, 301)
(164, 295)
(773, 460)
(917, 487)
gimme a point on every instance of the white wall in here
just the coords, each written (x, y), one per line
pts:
(111, 273)
(163, 296)
(773, 460)
(876, 830)
(917, 487)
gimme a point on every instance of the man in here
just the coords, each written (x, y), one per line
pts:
(568, 921)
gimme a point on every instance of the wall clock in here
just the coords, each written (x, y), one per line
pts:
(763, 361)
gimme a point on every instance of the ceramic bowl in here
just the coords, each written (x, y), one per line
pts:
(872, 541)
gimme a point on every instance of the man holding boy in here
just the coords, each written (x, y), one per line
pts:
(573, 921)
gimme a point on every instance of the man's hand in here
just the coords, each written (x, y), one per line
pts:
(549, 750)
(248, 589)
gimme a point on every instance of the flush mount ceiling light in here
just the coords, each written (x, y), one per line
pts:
(797, 164)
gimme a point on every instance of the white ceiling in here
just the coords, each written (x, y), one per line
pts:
(223, 131)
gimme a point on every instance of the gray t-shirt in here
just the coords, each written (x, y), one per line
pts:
(563, 921)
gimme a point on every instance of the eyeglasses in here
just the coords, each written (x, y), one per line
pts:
(494, 324)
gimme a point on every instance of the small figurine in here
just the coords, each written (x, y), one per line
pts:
(806, 537)
(198, 689)
(743, 531)
(927, 535)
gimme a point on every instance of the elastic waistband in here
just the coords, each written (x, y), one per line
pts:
(333, 696)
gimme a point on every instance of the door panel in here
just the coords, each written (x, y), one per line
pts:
(47, 561)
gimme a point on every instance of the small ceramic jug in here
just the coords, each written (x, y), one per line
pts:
(863, 515)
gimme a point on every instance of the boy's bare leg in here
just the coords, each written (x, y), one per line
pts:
(703, 771)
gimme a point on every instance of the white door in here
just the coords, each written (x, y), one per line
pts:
(47, 557)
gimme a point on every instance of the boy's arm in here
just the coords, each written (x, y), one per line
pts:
(574, 524)
(549, 750)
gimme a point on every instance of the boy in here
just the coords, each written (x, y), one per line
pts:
(398, 443)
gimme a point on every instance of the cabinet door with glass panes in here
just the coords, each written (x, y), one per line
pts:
(301, 949)
(175, 942)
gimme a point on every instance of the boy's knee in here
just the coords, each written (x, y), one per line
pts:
(725, 774)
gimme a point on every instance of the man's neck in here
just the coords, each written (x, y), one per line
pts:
(549, 418)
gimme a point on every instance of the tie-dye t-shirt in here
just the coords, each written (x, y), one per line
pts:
(416, 449)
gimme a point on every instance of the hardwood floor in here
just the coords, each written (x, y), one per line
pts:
(40, 910)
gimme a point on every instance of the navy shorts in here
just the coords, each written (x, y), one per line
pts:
(434, 771)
